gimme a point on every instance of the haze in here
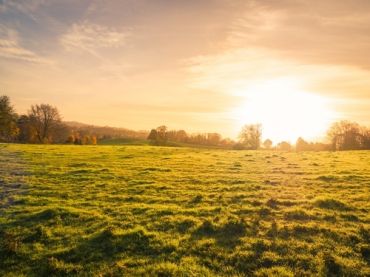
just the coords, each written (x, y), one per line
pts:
(293, 66)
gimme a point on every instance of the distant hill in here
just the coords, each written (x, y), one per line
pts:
(106, 132)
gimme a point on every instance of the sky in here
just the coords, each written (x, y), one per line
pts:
(203, 66)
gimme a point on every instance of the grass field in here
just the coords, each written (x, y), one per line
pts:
(157, 211)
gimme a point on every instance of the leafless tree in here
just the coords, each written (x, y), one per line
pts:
(250, 136)
(45, 121)
(345, 135)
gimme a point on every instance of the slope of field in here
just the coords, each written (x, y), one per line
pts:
(142, 210)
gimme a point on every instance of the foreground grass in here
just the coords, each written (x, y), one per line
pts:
(141, 210)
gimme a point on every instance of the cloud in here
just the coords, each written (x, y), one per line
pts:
(11, 48)
(91, 38)
(24, 6)
(325, 45)
(326, 32)
(235, 70)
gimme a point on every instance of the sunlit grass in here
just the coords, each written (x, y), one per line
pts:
(141, 210)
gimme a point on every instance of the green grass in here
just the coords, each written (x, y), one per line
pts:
(167, 211)
(123, 141)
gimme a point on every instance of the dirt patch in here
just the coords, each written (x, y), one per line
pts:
(12, 177)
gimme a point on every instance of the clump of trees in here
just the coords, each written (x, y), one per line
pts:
(76, 138)
(347, 135)
(162, 136)
(302, 145)
(284, 146)
(342, 135)
(159, 136)
(103, 133)
(43, 124)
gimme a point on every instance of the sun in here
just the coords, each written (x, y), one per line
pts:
(285, 111)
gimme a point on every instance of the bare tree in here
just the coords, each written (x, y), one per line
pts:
(345, 135)
(45, 121)
(250, 136)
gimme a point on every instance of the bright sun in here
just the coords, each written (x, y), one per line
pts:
(285, 111)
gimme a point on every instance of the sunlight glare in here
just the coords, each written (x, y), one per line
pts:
(285, 111)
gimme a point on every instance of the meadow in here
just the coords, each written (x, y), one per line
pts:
(177, 211)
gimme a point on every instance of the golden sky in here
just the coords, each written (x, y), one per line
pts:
(210, 65)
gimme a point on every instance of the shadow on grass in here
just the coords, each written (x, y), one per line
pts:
(111, 242)
(227, 234)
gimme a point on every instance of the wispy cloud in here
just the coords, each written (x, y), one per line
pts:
(24, 6)
(91, 38)
(11, 48)
(325, 47)
(327, 32)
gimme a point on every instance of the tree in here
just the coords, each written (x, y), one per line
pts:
(153, 135)
(162, 134)
(26, 132)
(284, 146)
(302, 145)
(250, 136)
(182, 136)
(345, 135)
(365, 138)
(70, 139)
(159, 135)
(8, 120)
(93, 140)
(86, 139)
(213, 138)
(267, 144)
(45, 121)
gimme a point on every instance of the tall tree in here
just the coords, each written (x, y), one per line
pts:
(345, 135)
(250, 136)
(45, 121)
(8, 120)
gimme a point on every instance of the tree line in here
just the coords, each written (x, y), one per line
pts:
(162, 136)
(342, 135)
(43, 124)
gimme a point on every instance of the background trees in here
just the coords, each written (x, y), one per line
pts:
(8, 120)
(158, 136)
(284, 146)
(302, 145)
(43, 124)
(46, 123)
(250, 136)
(267, 144)
(347, 135)
(26, 132)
